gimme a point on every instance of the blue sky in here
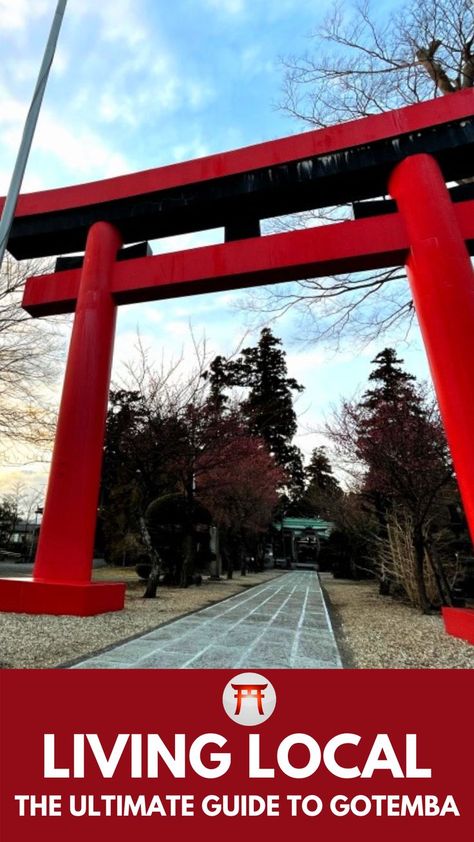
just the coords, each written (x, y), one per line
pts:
(142, 83)
(139, 84)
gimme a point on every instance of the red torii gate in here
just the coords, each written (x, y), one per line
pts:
(243, 692)
(409, 153)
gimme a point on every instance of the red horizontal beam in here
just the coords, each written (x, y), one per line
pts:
(297, 147)
(353, 246)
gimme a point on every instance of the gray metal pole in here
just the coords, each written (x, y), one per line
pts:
(29, 130)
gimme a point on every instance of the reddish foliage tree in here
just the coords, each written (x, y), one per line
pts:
(396, 435)
(174, 440)
(239, 484)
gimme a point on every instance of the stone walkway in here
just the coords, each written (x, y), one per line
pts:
(282, 624)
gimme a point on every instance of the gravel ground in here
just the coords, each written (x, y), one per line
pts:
(375, 632)
(41, 641)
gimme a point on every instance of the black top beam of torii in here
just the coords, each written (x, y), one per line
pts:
(348, 163)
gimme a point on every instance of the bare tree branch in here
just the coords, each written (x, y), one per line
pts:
(31, 351)
(364, 63)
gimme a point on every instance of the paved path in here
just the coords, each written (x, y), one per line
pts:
(282, 624)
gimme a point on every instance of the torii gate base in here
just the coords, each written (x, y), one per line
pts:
(459, 622)
(27, 596)
(432, 234)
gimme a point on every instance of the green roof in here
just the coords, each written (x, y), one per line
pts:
(300, 523)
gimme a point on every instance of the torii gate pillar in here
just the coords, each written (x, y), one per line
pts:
(61, 582)
(442, 283)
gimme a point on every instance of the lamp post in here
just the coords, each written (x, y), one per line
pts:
(34, 543)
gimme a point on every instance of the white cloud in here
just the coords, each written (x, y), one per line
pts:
(183, 242)
(31, 478)
(308, 361)
(177, 328)
(12, 117)
(169, 348)
(147, 82)
(79, 149)
(19, 70)
(253, 61)
(119, 20)
(84, 153)
(151, 313)
(62, 60)
(160, 88)
(18, 14)
(112, 109)
(190, 149)
(198, 94)
(166, 95)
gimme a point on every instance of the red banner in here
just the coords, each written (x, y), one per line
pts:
(228, 755)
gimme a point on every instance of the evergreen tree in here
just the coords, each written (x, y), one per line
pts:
(124, 420)
(127, 466)
(397, 433)
(392, 383)
(319, 475)
(399, 436)
(321, 488)
(219, 378)
(8, 519)
(268, 407)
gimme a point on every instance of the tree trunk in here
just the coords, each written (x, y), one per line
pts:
(384, 581)
(442, 583)
(419, 546)
(216, 563)
(229, 559)
(385, 586)
(152, 582)
(187, 568)
(156, 566)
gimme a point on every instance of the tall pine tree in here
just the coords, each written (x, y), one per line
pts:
(392, 384)
(321, 488)
(268, 406)
(319, 474)
(399, 436)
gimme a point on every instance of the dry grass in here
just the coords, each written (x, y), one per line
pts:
(377, 632)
